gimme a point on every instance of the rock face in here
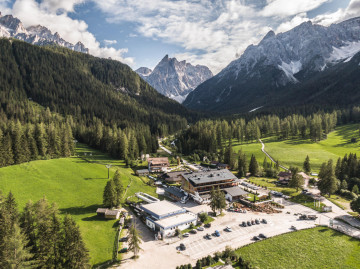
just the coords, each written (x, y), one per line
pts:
(36, 35)
(175, 79)
(285, 60)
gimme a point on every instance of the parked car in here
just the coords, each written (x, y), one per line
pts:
(200, 228)
(207, 225)
(193, 231)
(248, 223)
(293, 228)
(124, 239)
(182, 246)
(208, 236)
(186, 235)
(243, 224)
(255, 238)
(264, 221)
(257, 221)
(262, 236)
(253, 222)
(123, 250)
(217, 233)
(228, 229)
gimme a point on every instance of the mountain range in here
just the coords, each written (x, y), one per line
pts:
(306, 65)
(36, 35)
(175, 79)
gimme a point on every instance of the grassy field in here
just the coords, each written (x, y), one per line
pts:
(76, 185)
(293, 152)
(313, 248)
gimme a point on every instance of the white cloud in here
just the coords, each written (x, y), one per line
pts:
(5, 7)
(109, 42)
(295, 21)
(54, 15)
(285, 8)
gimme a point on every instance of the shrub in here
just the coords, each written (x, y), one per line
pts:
(203, 216)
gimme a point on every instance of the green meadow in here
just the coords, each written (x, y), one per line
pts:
(313, 248)
(76, 185)
(293, 152)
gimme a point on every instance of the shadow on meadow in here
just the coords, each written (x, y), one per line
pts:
(80, 210)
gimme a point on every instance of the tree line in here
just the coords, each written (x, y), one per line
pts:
(38, 237)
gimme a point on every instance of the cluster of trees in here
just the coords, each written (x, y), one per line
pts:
(344, 177)
(217, 200)
(38, 237)
(26, 141)
(209, 135)
(113, 191)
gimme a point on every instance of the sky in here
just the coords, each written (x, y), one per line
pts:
(207, 32)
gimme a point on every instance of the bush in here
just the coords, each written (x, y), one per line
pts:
(191, 226)
(312, 181)
(348, 194)
(203, 216)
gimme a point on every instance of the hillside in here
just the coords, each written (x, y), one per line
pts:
(76, 185)
(308, 65)
(102, 100)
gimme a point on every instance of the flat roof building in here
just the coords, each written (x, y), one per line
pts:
(203, 182)
(234, 193)
(165, 217)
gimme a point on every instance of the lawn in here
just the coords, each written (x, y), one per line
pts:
(313, 248)
(293, 152)
(76, 185)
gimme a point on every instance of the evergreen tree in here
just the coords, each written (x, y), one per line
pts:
(355, 205)
(306, 165)
(242, 164)
(73, 251)
(253, 166)
(344, 185)
(134, 240)
(110, 194)
(119, 188)
(355, 189)
(327, 181)
(296, 181)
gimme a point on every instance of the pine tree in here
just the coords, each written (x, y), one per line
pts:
(73, 251)
(253, 166)
(134, 240)
(242, 164)
(327, 181)
(296, 181)
(119, 188)
(306, 165)
(16, 255)
(110, 194)
(355, 189)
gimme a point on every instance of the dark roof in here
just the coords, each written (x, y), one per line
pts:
(284, 174)
(209, 176)
(174, 174)
(222, 165)
(174, 191)
(142, 171)
(235, 191)
(112, 212)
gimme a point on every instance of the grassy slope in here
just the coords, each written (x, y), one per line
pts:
(314, 248)
(76, 186)
(293, 152)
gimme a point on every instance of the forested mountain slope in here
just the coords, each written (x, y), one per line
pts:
(106, 103)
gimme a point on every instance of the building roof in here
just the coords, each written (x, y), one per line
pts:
(222, 165)
(174, 191)
(162, 209)
(209, 176)
(157, 161)
(174, 174)
(235, 191)
(112, 212)
(176, 220)
(101, 210)
(284, 174)
(142, 171)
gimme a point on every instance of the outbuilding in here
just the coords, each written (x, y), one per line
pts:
(234, 193)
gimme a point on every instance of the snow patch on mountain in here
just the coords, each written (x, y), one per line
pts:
(345, 52)
(290, 69)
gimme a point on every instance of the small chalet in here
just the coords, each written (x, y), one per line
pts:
(222, 166)
(108, 213)
(284, 178)
(142, 172)
(174, 193)
(157, 165)
(234, 193)
(173, 177)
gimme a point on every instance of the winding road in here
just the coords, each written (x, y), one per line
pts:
(268, 155)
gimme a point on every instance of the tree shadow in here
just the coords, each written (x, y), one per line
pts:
(90, 178)
(80, 210)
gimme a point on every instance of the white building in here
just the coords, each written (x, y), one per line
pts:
(165, 217)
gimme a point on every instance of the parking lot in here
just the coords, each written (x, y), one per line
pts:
(197, 246)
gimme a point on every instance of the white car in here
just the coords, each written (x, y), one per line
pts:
(186, 235)
(200, 228)
(228, 229)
